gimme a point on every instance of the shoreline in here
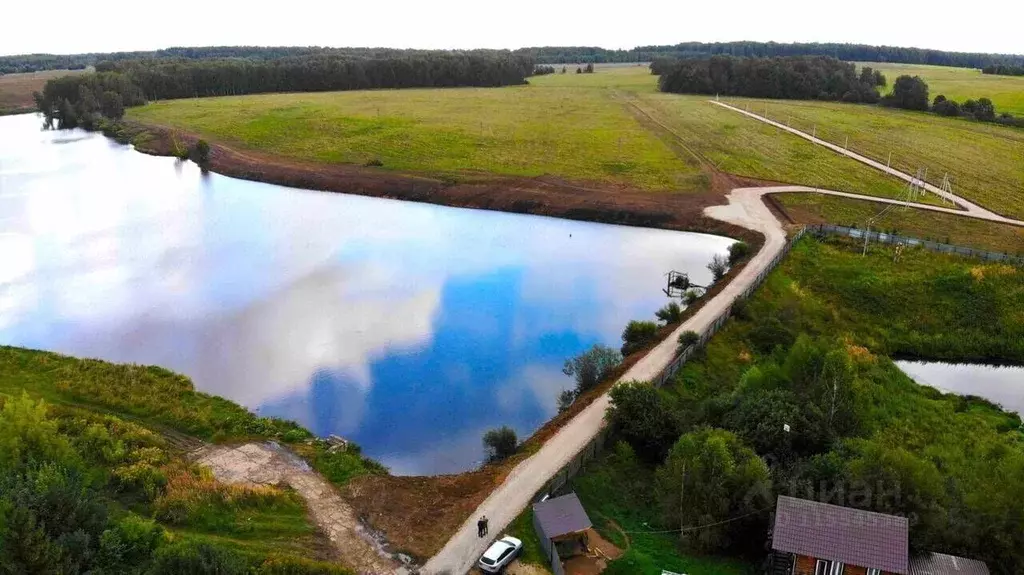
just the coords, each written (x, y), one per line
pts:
(542, 195)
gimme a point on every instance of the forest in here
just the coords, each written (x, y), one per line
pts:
(542, 55)
(74, 101)
(797, 396)
(1003, 70)
(789, 77)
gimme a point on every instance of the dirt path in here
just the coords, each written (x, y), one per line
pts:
(967, 205)
(270, 464)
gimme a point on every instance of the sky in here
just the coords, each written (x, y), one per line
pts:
(119, 25)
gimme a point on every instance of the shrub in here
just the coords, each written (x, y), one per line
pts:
(195, 558)
(638, 334)
(565, 399)
(640, 416)
(592, 367)
(130, 542)
(718, 266)
(737, 252)
(202, 152)
(688, 338)
(500, 443)
(671, 313)
(691, 297)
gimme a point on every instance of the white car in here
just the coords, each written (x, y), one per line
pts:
(500, 554)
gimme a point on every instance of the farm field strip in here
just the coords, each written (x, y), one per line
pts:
(1006, 92)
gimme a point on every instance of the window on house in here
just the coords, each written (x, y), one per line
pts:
(826, 567)
(874, 572)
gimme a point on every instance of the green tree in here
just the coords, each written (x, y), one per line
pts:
(638, 334)
(909, 93)
(718, 266)
(592, 367)
(671, 313)
(500, 443)
(566, 399)
(715, 489)
(737, 252)
(639, 415)
(202, 153)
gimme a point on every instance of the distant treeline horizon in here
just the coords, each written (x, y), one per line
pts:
(542, 55)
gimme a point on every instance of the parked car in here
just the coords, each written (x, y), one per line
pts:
(500, 554)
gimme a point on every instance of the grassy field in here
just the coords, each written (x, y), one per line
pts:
(574, 132)
(984, 161)
(93, 478)
(16, 89)
(813, 208)
(1006, 92)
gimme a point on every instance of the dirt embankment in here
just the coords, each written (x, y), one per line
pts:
(543, 195)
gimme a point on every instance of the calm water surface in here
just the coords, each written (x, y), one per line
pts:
(408, 328)
(1002, 385)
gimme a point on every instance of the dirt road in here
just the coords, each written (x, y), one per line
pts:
(968, 206)
(270, 464)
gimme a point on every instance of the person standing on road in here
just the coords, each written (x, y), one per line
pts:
(481, 526)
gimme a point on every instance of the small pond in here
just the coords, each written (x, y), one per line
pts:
(1003, 385)
(408, 328)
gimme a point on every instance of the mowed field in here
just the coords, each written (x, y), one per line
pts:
(1006, 92)
(613, 128)
(577, 132)
(16, 89)
(985, 162)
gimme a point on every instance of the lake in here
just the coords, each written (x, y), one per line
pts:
(1003, 385)
(408, 328)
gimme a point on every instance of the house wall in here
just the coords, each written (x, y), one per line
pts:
(805, 566)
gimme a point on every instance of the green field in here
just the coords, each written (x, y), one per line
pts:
(1006, 92)
(574, 131)
(984, 161)
(603, 128)
(814, 208)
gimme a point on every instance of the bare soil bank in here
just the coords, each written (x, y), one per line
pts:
(543, 195)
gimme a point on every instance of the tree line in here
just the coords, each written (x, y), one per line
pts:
(1003, 70)
(542, 55)
(790, 77)
(911, 93)
(81, 100)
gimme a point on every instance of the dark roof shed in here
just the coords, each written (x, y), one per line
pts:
(940, 564)
(561, 516)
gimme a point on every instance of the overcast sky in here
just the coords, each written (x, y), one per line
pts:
(117, 25)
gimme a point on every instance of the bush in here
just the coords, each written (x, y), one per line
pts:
(592, 367)
(671, 313)
(202, 152)
(194, 558)
(640, 416)
(688, 338)
(691, 297)
(500, 443)
(718, 266)
(737, 252)
(131, 542)
(637, 335)
(565, 399)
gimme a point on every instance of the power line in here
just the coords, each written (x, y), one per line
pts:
(698, 527)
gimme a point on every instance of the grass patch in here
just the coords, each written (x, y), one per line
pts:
(522, 528)
(617, 493)
(1006, 92)
(815, 208)
(983, 160)
(559, 126)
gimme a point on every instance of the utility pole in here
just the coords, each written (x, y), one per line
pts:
(814, 131)
(846, 146)
(889, 161)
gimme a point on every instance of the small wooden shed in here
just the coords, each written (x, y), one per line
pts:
(561, 524)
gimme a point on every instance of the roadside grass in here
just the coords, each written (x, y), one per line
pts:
(984, 161)
(16, 89)
(617, 488)
(1006, 92)
(522, 528)
(815, 208)
(742, 146)
(557, 126)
